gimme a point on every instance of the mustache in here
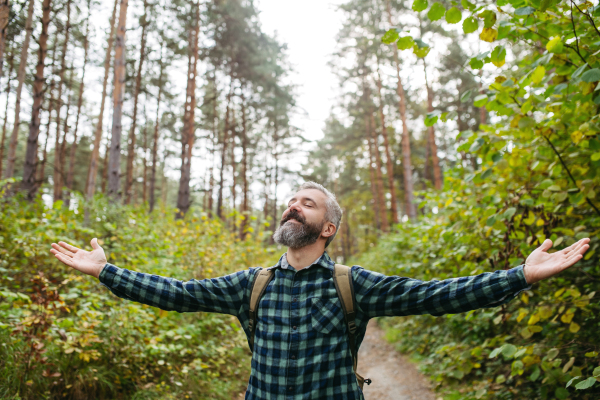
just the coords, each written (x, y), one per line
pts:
(293, 215)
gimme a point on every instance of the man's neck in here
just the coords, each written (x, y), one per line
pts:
(305, 256)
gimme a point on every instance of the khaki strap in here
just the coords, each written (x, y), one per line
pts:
(263, 277)
(342, 278)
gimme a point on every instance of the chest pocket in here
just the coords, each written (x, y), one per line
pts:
(327, 315)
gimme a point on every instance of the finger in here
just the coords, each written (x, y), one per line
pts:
(576, 247)
(62, 250)
(94, 243)
(546, 245)
(571, 260)
(69, 247)
(64, 259)
(571, 248)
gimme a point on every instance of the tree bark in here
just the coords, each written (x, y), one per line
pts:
(29, 184)
(51, 102)
(73, 148)
(138, 84)
(10, 71)
(388, 153)
(276, 169)
(155, 138)
(406, 161)
(223, 155)
(12, 147)
(57, 175)
(374, 193)
(93, 169)
(4, 15)
(244, 205)
(385, 226)
(214, 141)
(437, 172)
(233, 165)
(188, 134)
(114, 161)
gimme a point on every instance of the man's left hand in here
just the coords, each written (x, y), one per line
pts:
(541, 265)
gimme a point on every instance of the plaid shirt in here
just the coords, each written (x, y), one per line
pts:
(301, 346)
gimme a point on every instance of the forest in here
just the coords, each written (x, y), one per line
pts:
(463, 135)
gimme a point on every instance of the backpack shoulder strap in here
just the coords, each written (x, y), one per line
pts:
(342, 278)
(261, 281)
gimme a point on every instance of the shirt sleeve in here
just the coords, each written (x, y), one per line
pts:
(380, 295)
(223, 295)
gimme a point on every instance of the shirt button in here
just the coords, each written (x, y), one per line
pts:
(294, 327)
(293, 357)
(294, 299)
(290, 388)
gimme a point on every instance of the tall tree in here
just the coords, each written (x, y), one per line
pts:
(93, 169)
(10, 70)
(29, 183)
(433, 150)
(244, 142)
(58, 173)
(138, 84)
(4, 15)
(188, 134)
(155, 138)
(14, 138)
(114, 161)
(224, 153)
(406, 158)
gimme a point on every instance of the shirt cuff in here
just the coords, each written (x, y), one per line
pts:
(516, 279)
(107, 274)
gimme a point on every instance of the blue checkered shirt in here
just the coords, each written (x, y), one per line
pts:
(301, 346)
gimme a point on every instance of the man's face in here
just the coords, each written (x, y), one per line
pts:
(303, 221)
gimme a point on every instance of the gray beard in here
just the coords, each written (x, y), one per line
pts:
(296, 236)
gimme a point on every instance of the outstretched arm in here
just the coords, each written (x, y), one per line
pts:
(381, 295)
(223, 294)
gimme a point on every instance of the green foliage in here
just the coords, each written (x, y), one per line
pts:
(64, 335)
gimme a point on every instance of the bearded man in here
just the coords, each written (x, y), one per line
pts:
(300, 340)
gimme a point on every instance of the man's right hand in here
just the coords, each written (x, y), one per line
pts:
(88, 262)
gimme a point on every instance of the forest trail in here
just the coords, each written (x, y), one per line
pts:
(393, 376)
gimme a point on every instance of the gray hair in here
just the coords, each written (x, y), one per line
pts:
(333, 211)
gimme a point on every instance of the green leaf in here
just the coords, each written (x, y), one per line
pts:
(467, 5)
(586, 384)
(480, 100)
(596, 371)
(555, 45)
(509, 213)
(579, 71)
(561, 393)
(495, 352)
(420, 52)
(390, 36)
(419, 5)
(489, 18)
(453, 16)
(498, 56)
(488, 35)
(436, 11)
(595, 157)
(552, 353)
(432, 117)
(524, 11)
(475, 63)
(419, 42)
(405, 43)
(571, 381)
(509, 350)
(470, 25)
(466, 96)
(593, 75)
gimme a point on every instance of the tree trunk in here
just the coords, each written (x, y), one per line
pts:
(114, 161)
(233, 164)
(244, 205)
(376, 203)
(388, 153)
(155, 138)
(145, 176)
(406, 161)
(29, 184)
(93, 169)
(63, 143)
(385, 226)
(189, 123)
(10, 71)
(51, 102)
(223, 154)
(57, 175)
(12, 147)
(276, 169)
(138, 84)
(215, 139)
(73, 148)
(437, 172)
(4, 15)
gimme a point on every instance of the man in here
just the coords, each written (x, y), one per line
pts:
(301, 349)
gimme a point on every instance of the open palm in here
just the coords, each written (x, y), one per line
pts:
(88, 262)
(541, 265)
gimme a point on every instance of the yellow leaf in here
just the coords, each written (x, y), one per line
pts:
(535, 328)
(559, 292)
(538, 74)
(489, 35)
(533, 319)
(574, 327)
(449, 202)
(522, 313)
(545, 312)
(525, 298)
(555, 45)
(163, 313)
(530, 360)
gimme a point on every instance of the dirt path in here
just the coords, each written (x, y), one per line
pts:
(393, 376)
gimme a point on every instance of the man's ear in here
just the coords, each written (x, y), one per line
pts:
(328, 230)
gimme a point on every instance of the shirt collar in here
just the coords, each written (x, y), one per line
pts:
(324, 261)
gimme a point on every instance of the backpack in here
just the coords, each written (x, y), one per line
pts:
(342, 278)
